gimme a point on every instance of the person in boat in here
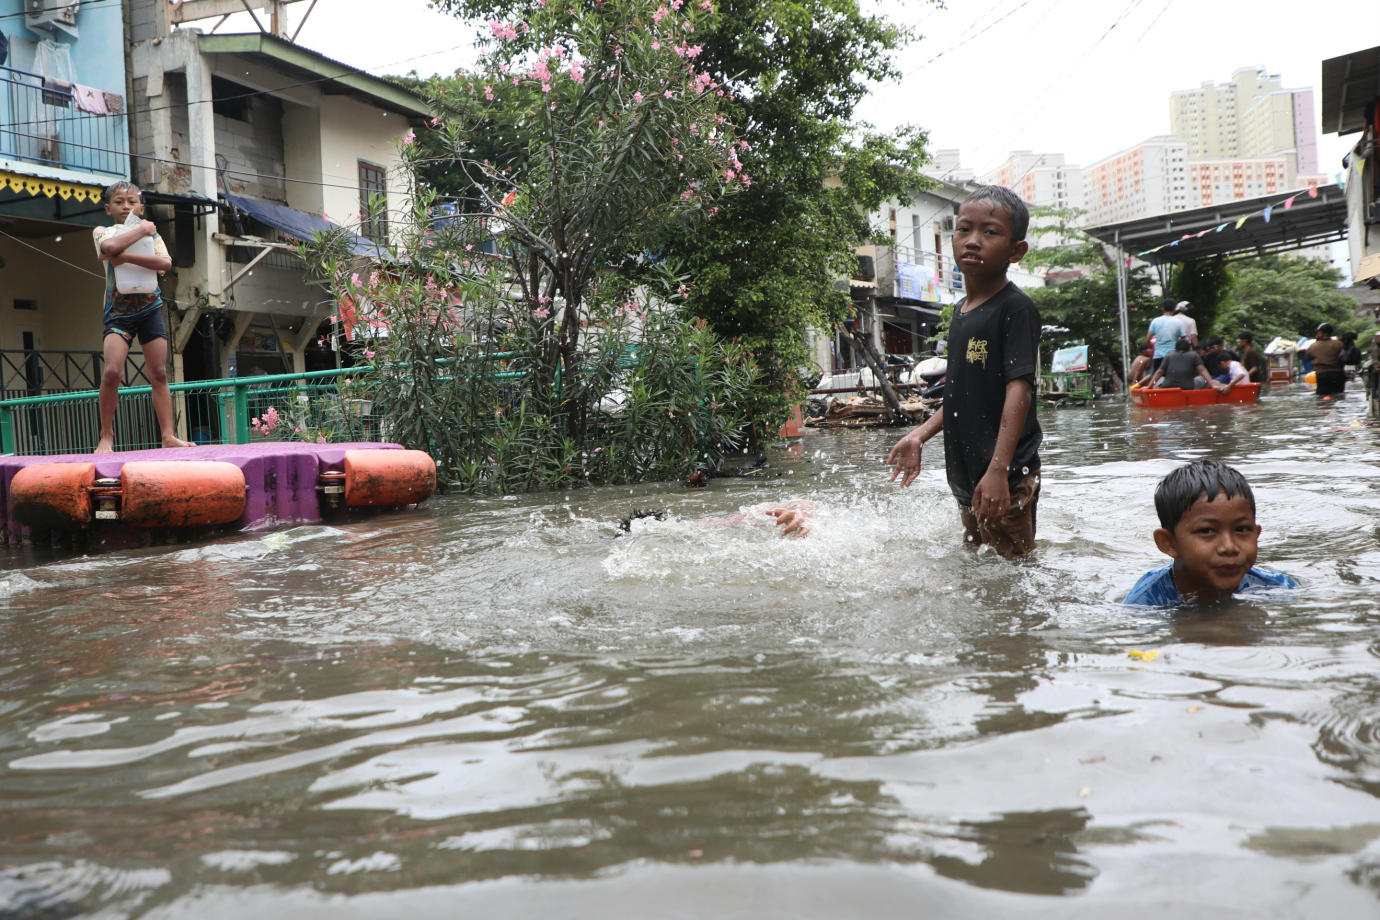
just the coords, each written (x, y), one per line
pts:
(1181, 310)
(129, 315)
(1211, 352)
(1326, 355)
(1140, 367)
(1165, 330)
(1236, 373)
(1209, 532)
(1184, 369)
(991, 432)
(1250, 358)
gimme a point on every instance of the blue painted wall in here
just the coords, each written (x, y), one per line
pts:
(98, 55)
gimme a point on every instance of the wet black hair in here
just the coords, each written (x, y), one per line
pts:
(625, 525)
(1201, 479)
(1002, 197)
(1215, 340)
(1182, 343)
(1244, 337)
(122, 186)
(1231, 355)
(1144, 346)
(1169, 305)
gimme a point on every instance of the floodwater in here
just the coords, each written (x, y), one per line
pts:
(501, 708)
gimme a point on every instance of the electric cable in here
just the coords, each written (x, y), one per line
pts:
(51, 256)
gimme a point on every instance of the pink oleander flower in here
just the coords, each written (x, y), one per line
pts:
(546, 87)
(637, 97)
(669, 95)
(577, 72)
(543, 313)
(693, 51)
(320, 439)
(685, 194)
(469, 247)
(354, 278)
(688, 26)
(369, 353)
(489, 93)
(656, 46)
(409, 137)
(728, 174)
(660, 14)
(706, 5)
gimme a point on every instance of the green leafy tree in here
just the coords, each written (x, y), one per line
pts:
(1088, 307)
(1205, 283)
(603, 138)
(1277, 295)
(793, 71)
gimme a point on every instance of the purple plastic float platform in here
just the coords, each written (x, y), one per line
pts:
(281, 479)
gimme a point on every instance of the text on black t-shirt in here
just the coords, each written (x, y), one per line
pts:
(996, 342)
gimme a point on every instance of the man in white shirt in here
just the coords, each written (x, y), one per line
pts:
(1189, 323)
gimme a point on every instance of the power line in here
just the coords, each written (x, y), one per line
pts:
(51, 256)
(964, 41)
(217, 169)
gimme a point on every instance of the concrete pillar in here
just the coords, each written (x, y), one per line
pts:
(304, 337)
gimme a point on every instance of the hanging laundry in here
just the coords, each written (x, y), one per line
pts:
(89, 99)
(57, 93)
(114, 104)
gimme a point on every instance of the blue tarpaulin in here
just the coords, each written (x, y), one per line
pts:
(300, 225)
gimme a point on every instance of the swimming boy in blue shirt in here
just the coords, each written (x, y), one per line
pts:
(1207, 526)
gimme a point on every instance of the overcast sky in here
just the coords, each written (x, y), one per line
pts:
(988, 76)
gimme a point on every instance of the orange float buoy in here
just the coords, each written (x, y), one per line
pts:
(388, 477)
(181, 493)
(53, 495)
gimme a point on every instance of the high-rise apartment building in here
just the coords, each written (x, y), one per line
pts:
(1042, 179)
(1150, 178)
(1252, 116)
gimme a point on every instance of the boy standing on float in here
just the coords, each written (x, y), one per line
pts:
(991, 435)
(130, 315)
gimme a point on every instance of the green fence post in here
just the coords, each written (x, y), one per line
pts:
(241, 414)
(6, 430)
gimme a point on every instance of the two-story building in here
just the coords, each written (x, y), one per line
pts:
(249, 142)
(63, 138)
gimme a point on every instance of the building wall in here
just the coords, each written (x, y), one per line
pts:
(352, 131)
(1217, 181)
(70, 301)
(253, 147)
(1151, 178)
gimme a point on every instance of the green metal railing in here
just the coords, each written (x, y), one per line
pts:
(310, 406)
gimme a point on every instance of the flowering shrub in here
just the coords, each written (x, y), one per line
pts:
(505, 342)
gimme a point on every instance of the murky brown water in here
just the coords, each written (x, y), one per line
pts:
(497, 708)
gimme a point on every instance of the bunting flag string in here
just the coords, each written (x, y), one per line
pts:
(50, 187)
(1266, 213)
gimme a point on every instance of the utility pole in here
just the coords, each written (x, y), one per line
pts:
(1121, 282)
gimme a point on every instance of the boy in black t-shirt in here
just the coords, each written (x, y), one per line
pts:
(991, 435)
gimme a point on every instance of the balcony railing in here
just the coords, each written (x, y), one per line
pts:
(43, 125)
(30, 372)
(946, 273)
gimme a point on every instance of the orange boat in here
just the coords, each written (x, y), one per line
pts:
(1173, 397)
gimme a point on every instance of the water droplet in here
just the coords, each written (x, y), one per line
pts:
(1025, 471)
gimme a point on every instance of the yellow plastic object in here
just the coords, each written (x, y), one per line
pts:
(1149, 655)
(1310, 377)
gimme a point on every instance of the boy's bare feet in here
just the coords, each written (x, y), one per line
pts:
(172, 441)
(105, 445)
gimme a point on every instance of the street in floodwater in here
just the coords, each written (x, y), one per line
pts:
(501, 708)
